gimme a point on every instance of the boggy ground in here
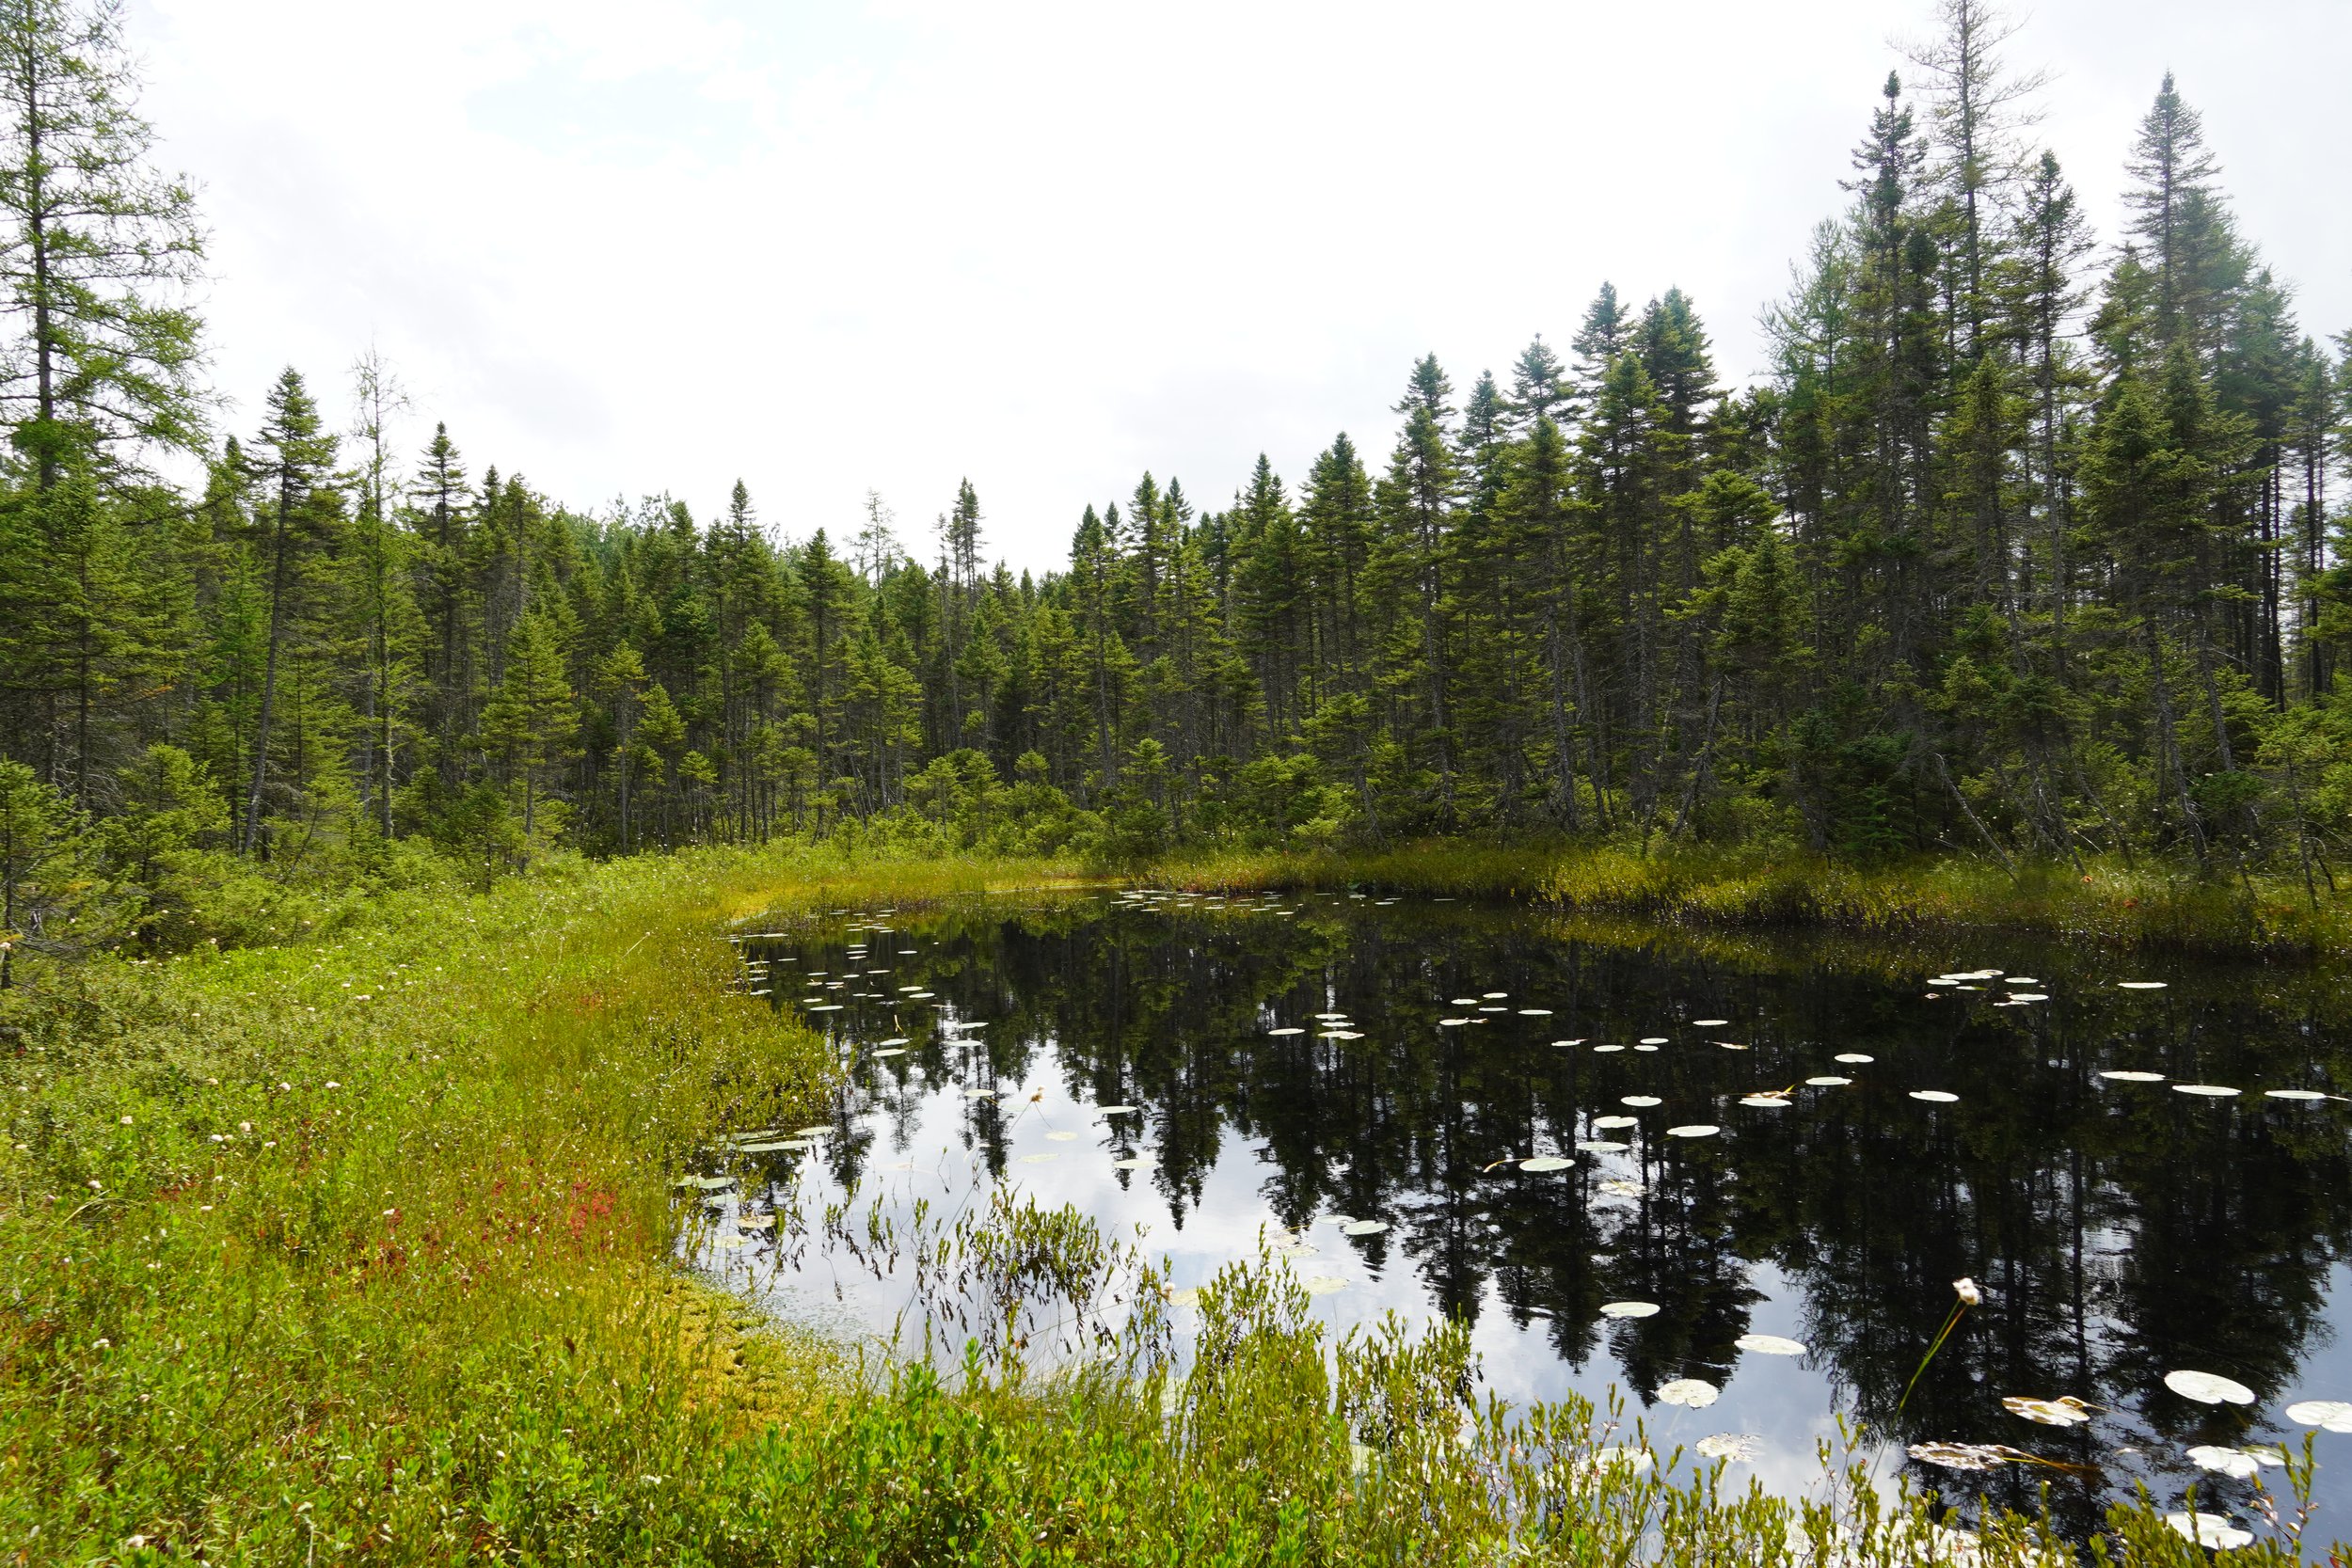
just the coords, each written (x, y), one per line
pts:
(359, 1247)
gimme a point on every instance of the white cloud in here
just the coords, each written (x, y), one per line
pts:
(827, 246)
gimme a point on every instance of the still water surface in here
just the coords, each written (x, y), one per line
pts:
(1299, 1063)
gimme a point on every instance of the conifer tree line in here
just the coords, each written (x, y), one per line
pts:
(2025, 546)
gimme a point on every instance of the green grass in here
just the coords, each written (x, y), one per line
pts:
(2105, 902)
(359, 1247)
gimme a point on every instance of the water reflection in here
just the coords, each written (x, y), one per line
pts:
(2120, 1229)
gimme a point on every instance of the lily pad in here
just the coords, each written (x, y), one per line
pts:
(1616, 1121)
(2211, 1091)
(1619, 1186)
(1965, 1456)
(2237, 1463)
(1854, 1058)
(1766, 1101)
(1642, 1101)
(1691, 1393)
(2214, 1530)
(1454, 1022)
(1188, 1296)
(1543, 1162)
(1602, 1145)
(1115, 1110)
(1363, 1228)
(2208, 1387)
(2127, 1075)
(1935, 1097)
(776, 1148)
(1770, 1344)
(2065, 1411)
(1732, 1446)
(1693, 1130)
(1653, 1039)
(888, 1051)
(1829, 1081)
(1323, 1284)
(1061, 1137)
(2140, 985)
(1286, 1031)
(1710, 1024)
(1535, 1012)
(1606, 1050)
(1135, 1162)
(2294, 1093)
(2332, 1415)
(1038, 1158)
(1629, 1309)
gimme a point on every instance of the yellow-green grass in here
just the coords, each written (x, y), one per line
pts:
(360, 1249)
(2104, 901)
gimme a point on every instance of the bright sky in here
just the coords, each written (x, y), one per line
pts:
(828, 247)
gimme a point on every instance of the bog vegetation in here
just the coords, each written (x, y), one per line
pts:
(337, 1208)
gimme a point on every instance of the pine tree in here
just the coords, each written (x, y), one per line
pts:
(101, 250)
(299, 510)
(2182, 224)
(531, 720)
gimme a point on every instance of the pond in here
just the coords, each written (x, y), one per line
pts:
(1630, 1158)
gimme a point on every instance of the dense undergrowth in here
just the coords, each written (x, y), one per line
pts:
(358, 1246)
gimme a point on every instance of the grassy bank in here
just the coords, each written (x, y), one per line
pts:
(2105, 901)
(359, 1247)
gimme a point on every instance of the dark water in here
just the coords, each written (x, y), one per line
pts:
(2120, 1230)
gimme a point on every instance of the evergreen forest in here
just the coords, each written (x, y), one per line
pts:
(2029, 545)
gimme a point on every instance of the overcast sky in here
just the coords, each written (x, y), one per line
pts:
(631, 248)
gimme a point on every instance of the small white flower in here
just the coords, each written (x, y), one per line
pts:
(1967, 1292)
(126, 1121)
(100, 1344)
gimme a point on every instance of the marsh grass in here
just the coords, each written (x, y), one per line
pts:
(360, 1247)
(2103, 902)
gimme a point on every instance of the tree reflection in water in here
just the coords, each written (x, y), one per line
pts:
(2121, 1231)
